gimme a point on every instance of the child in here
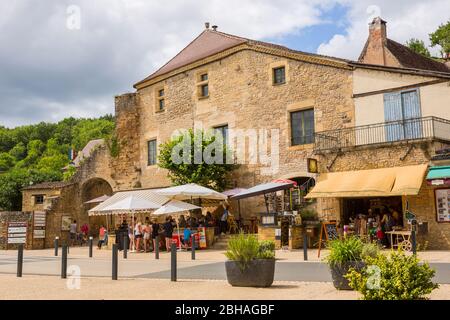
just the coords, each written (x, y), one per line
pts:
(186, 237)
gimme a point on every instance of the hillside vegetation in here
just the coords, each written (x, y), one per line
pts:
(35, 153)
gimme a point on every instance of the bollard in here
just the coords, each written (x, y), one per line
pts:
(193, 248)
(56, 246)
(173, 262)
(305, 247)
(125, 246)
(64, 262)
(90, 246)
(413, 241)
(156, 247)
(114, 261)
(20, 260)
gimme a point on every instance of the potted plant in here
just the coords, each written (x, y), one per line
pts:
(251, 263)
(395, 277)
(345, 254)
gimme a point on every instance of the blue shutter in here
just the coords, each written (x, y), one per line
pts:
(412, 114)
(393, 112)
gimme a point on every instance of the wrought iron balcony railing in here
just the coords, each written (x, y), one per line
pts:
(426, 128)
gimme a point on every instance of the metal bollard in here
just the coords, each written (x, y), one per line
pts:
(193, 248)
(56, 246)
(115, 259)
(20, 260)
(125, 246)
(413, 241)
(64, 262)
(156, 247)
(173, 262)
(305, 247)
(91, 242)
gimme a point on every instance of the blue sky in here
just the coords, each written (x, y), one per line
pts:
(334, 21)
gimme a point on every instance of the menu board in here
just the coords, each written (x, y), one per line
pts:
(443, 205)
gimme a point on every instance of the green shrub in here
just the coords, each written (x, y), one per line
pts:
(349, 249)
(309, 215)
(245, 248)
(397, 277)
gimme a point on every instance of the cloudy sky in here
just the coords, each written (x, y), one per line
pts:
(63, 58)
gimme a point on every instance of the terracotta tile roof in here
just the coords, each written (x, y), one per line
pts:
(48, 185)
(210, 42)
(411, 59)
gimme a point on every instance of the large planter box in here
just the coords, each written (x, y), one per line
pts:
(259, 273)
(339, 271)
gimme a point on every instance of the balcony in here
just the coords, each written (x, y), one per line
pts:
(426, 128)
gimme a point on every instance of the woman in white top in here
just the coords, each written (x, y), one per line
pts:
(138, 235)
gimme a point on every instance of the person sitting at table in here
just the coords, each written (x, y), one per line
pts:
(186, 237)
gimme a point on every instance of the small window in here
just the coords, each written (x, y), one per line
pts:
(152, 152)
(204, 90)
(202, 85)
(302, 127)
(39, 199)
(279, 76)
(160, 101)
(223, 130)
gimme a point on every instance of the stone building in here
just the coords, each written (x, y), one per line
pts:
(266, 93)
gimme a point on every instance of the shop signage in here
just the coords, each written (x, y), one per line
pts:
(17, 232)
(202, 237)
(312, 165)
(39, 225)
(328, 231)
(442, 204)
(437, 182)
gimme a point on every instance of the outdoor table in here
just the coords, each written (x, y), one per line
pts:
(402, 238)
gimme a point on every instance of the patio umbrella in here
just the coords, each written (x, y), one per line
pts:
(175, 206)
(191, 190)
(99, 199)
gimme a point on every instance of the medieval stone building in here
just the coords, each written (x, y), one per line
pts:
(314, 107)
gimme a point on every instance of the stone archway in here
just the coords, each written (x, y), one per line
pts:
(91, 189)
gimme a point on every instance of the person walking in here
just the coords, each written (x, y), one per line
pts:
(146, 231)
(131, 236)
(168, 232)
(101, 237)
(73, 232)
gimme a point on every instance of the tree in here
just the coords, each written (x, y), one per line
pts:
(441, 37)
(90, 129)
(418, 46)
(196, 158)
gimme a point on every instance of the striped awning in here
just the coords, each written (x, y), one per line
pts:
(130, 201)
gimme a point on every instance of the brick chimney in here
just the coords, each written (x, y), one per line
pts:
(374, 52)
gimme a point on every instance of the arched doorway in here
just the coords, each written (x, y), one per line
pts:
(92, 189)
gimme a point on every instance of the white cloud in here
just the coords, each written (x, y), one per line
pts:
(405, 19)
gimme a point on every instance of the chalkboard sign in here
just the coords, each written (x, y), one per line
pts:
(329, 230)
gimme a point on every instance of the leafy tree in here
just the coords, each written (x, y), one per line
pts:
(6, 161)
(90, 129)
(441, 37)
(19, 151)
(181, 157)
(418, 46)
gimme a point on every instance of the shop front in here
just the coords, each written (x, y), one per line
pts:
(379, 204)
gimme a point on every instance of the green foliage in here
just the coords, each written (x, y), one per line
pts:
(418, 46)
(399, 277)
(113, 145)
(69, 173)
(309, 215)
(441, 37)
(212, 174)
(349, 249)
(37, 153)
(244, 248)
